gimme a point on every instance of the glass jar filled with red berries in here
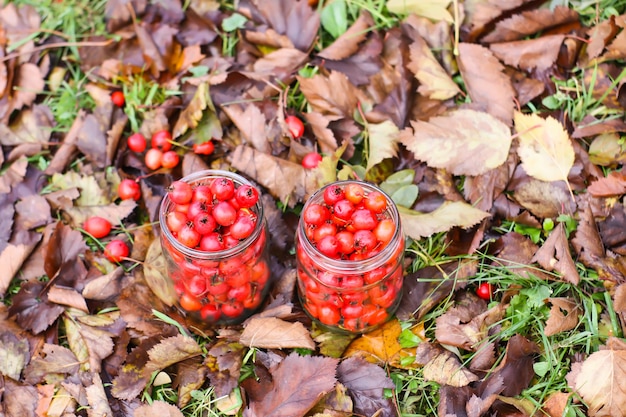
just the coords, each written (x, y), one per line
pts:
(349, 252)
(214, 239)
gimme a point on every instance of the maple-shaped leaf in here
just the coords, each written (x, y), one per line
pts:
(450, 214)
(599, 380)
(435, 82)
(158, 408)
(555, 255)
(366, 383)
(298, 383)
(446, 369)
(57, 360)
(14, 354)
(274, 333)
(563, 315)
(545, 148)
(383, 142)
(435, 10)
(464, 142)
(486, 82)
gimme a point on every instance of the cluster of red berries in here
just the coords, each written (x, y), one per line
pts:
(349, 223)
(211, 216)
(99, 227)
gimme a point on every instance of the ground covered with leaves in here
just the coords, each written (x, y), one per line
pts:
(496, 127)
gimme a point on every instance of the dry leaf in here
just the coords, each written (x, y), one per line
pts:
(333, 96)
(607, 149)
(348, 42)
(450, 214)
(274, 333)
(435, 10)
(435, 82)
(563, 315)
(97, 398)
(157, 408)
(555, 255)
(545, 148)
(614, 184)
(325, 137)
(14, 354)
(366, 383)
(529, 22)
(532, 54)
(155, 273)
(191, 116)
(383, 142)
(486, 82)
(483, 139)
(600, 381)
(446, 369)
(252, 125)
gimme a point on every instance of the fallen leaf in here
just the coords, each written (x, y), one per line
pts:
(450, 214)
(298, 383)
(467, 329)
(32, 309)
(530, 22)
(157, 408)
(348, 42)
(563, 315)
(11, 259)
(533, 54)
(543, 199)
(383, 142)
(155, 274)
(57, 360)
(30, 126)
(545, 148)
(14, 354)
(606, 149)
(223, 363)
(484, 139)
(555, 255)
(486, 82)
(599, 380)
(435, 82)
(556, 404)
(91, 345)
(67, 297)
(19, 399)
(97, 397)
(274, 333)
(614, 184)
(252, 125)
(324, 135)
(446, 369)
(366, 383)
(295, 19)
(170, 351)
(333, 96)
(200, 106)
(435, 10)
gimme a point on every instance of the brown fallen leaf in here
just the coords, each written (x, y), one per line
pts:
(155, 274)
(614, 184)
(484, 139)
(294, 19)
(366, 383)
(543, 199)
(97, 397)
(14, 355)
(68, 297)
(57, 360)
(539, 54)
(555, 255)
(598, 381)
(333, 96)
(563, 315)
(606, 149)
(556, 404)
(274, 333)
(252, 125)
(450, 214)
(325, 136)
(446, 369)
(487, 84)
(157, 408)
(32, 125)
(19, 399)
(529, 22)
(383, 142)
(435, 82)
(90, 344)
(348, 42)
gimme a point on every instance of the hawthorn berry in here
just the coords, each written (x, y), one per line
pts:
(484, 291)
(117, 98)
(169, 159)
(129, 189)
(204, 148)
(153, 158)
(116, 250)
(97, 226)
(137, 142)
(311, 160)
(162, 140)
(295, 126)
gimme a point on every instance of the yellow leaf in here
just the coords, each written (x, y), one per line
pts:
(450, 214)
(545, 147)
(431, 9)
(155, 274)
(383, 142)
(464, 142)
(435, 82)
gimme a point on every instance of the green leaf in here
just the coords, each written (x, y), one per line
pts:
(234, 22)
(397, 180)
(406, 195)
(334, 18)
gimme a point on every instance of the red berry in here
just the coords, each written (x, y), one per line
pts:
(484, 291)
(212, 242)
(129, 190)
(175, 221)
(204, 223)
(311, 160)
(316, 214)
(97, 227)
(243, 227)
(116, 250)
(246, 196)
(295, 126)
(137, 142)
(329, 246)
(204, 148)
(197, 208)
(202, 193)
(117, 98)
(224, 213)
(332, 194)
(223, 188)
(170, 159)
(363, 219)
(384, 231)
(354, 193)
(376, 202)
(162, 140)
(153, 159)
(180, 192)
(188, 236)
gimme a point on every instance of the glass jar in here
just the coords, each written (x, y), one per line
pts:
(356, 289)
(217, 286)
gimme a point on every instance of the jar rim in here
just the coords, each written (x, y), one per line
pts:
(343, 265)
(217, 255)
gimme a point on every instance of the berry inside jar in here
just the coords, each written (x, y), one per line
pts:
(215, 242)
(350, 249)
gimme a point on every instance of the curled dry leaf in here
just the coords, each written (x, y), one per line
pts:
(450, 214)
(274, 333)
(446, 369)
(485, 141)
(545, 148)
(14, 354)
(90, 344)
(563, 315)
(555, 255)
(435, 82)
(486, 82)
(383, 142)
